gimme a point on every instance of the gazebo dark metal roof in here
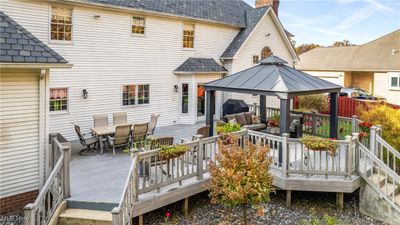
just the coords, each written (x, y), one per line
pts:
(273, 77)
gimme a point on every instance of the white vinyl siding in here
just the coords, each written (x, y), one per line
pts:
(19, 136)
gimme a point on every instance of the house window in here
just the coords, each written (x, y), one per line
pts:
(255, 59)
(266, 51)
(394, 80)
(143, 94)
(138, 25)
(58, 99)
(135, 94)
(188, 35)
(185, 98)
(61, 24)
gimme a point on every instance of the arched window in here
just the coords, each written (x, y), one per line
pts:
(266, 51)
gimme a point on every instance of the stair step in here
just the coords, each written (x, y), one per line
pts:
(390, 189)
(377, 179)
(84, 216)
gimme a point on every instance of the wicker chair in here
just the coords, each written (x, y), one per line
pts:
(153, 123)
(121, 137)
(120, 118)
(88, 142)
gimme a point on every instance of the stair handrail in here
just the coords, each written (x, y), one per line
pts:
(382, 166)
(377, 145)
(55, 189)
(121, 215)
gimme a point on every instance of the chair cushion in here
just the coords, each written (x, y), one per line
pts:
(255, 119)
(241, 119)
(248, 115)
(259, 126)
(230, 117)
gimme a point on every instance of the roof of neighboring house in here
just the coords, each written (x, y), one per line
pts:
(273, 77)
(253, 16)
(17, 45)
(202, 65)
(382, 54)
(221, 11)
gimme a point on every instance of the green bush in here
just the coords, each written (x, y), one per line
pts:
(309, 103)
(225, 128)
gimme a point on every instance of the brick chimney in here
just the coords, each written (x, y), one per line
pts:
(273, 3)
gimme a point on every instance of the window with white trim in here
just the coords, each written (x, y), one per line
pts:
(394, 80)
(188, 35)
(138, 25)
(58, 99)
(135, 94)
(61, 24)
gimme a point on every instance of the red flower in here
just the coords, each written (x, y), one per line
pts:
(168, 214)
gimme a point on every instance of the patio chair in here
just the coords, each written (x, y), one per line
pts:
(139, 133)
(88, 142)
(153, 123)
(202, 132)
(100, 120)
(120, 118)
(162, 141)
(121, 137)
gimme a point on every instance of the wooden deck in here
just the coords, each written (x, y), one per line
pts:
(100, 182)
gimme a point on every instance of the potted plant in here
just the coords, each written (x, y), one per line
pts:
(226, 128)
(319, 144)
(273, 124)
(169, 152)
(365, 128)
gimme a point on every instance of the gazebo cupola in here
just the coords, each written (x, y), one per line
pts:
(274, 78)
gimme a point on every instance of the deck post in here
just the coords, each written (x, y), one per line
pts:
(200, 159)
(210, 108)
(29, 214)
(288, 198)
(353, 123)
(314, 123)
(53, 136)
(116, 216)
(339, 201)
(67, 155)
(140, 219)
(333, 119)
(356, 155)
(349, 158)
(263, 107)
(284, 121)
(185, 207)
(285, 155)
(372, 140)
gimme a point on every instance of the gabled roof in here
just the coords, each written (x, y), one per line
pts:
(17, 45)
(273, 77)
(253, 16)
(382, 54)
(200, 65)
(229, 12)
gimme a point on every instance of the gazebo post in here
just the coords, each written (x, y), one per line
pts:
(284, 121)
(210, 107)
(333, 119)
(263, 107)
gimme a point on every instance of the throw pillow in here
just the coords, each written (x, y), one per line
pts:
(255, 119)
(232, 121)
(248, 117)
(241, 119)
(230, 117)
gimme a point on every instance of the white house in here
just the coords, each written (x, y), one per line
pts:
(373, 66)
(141, 58)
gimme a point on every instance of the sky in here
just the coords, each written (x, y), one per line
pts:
(326, 21)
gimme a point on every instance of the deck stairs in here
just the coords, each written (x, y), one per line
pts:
(84, 217)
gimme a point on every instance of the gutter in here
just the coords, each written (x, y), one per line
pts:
(35, 65)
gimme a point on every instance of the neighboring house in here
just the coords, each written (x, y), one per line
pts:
(128, 55)
(25, 64)
(373, 67)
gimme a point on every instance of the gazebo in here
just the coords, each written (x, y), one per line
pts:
(274, 78)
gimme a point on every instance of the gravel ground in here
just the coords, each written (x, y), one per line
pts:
(11, 220)
(274, 212)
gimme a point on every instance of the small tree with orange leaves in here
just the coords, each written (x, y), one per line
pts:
(240, 175)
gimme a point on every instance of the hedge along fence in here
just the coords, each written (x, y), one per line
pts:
(347, 107)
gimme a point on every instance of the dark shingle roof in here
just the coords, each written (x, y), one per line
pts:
(222, 11)
(200, 65)
(17, 45)
(273, 76)
(252, 18)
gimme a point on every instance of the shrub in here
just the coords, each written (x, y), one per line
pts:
(241, 175)
(225, 128)
(389, 118)
(318, 103)
(326, 220)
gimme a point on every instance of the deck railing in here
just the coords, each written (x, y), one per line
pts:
(383, 150)
(55, 189)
